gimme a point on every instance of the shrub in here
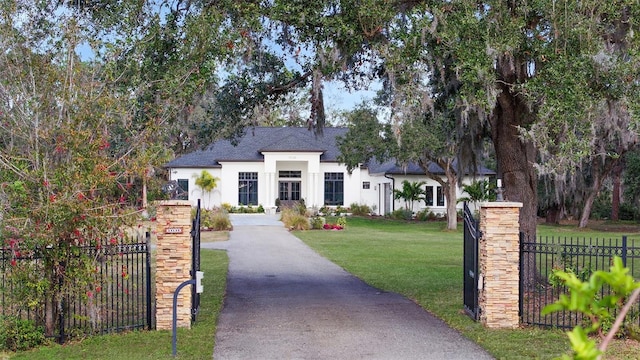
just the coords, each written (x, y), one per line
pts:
(340, 210)
(342, 221)
(301, 207)
(260, 209)
(18, 335)
(402, 214)
(215, 219)
(220, 221)
(299, 222)
(425, 215)
(628, 212)
(360, 210)
(292, 219)
(227, 207)
(317, 222)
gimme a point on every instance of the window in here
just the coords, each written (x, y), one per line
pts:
(440, 196)
(290, 174)
(333, 188)
(366, 185)
(248, 188)
(182, 193)
(429, 196)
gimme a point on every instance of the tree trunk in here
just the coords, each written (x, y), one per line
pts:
(599, 172)
(452, 200)
(615, 196)
(516, 155)
(144, 192)
(449, 187)
(50, 317)
(586, 210)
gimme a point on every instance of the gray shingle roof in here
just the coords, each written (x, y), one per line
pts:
(390, 167)
(264, 139)
(279, 139)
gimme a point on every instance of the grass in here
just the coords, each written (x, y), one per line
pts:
(213, 236)
(196, 343)
(424, 262)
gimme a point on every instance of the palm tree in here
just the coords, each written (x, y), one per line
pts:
(206, 182)
(477, 191)
(411, 192)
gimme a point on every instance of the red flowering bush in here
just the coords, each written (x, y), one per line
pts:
(332, 227)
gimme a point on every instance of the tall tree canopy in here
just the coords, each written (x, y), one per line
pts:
(546, 79)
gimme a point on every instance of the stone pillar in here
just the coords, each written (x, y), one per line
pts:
(499, 264)
(173, 262)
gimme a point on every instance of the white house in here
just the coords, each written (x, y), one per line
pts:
(289, 164)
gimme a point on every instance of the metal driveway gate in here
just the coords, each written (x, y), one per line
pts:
(195, 262)
(471, 236)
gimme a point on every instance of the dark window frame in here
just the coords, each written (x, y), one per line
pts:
(247, 188)
(334, 188)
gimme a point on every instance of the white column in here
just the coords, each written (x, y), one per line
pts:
(312, 190)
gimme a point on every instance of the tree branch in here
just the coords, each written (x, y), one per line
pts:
(619, 319)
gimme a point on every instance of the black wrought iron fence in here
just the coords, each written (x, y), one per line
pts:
(540, 287)
(117, 298)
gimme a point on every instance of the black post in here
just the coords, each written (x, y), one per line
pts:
(148, 279)
(195, 261)
(174, 337)
(520, 287)
(62, 306)
(624, 250)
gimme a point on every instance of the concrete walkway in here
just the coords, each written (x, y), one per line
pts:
(284, 301)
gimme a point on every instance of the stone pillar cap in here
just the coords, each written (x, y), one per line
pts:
(501, 204)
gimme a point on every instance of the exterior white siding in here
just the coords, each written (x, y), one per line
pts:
(289, 164)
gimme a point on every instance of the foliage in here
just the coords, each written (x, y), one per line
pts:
(631, 178)
(479, 190)
(215, 219)
(426, 214)
(206, 182)
(298, 222)
(244, 209)
(221, 221)
(415, 138)
(410, 193)
(584, 298)
(317, 222)
(293, 219)
(65, 185)
(328, 226)
(366, 139)
(18, 334)
(401, 214)
(360, 210)
(342, 221)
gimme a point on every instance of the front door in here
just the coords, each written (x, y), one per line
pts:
(289, 192)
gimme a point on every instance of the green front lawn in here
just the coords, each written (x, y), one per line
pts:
(424, 262)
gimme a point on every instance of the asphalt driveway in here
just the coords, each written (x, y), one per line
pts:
(284, 301)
